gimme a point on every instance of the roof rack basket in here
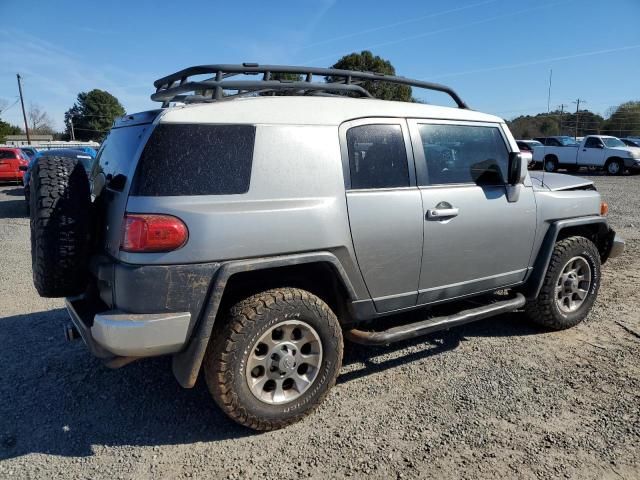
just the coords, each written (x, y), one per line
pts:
(179, 87)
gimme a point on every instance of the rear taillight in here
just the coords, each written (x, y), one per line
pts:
(152, 233)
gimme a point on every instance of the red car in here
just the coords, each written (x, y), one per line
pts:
(11, 159)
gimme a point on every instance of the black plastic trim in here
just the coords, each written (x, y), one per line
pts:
(186, 364)
(536, 278)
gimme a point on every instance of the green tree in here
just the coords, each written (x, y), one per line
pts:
(93, 114)
(624, 120)
(365, 61)
(8, 129)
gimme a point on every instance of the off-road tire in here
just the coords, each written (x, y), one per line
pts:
(59, 207)
(233, 339)
(543, 309)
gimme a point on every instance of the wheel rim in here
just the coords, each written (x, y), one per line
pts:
(573, 285)
(284, 362)
(549, 166)
(614, 167)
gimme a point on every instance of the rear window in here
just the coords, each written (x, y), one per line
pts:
(196, 160)
(7, 154)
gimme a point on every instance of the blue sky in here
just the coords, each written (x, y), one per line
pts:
(496, 53)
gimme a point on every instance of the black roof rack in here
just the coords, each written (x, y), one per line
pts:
(178, 87)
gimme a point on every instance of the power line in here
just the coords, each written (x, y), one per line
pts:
(395, 24)
(444, 30)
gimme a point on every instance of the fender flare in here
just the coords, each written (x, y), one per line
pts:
(536, 278)
(186, 364)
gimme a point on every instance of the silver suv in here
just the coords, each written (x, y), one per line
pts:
(249, 225)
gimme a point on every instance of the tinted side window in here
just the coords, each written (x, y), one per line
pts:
(196, 160)
(592, 142)
(464, 154)
(7, 154)
(377, 157)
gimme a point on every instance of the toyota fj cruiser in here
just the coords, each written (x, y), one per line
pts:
(249, 225)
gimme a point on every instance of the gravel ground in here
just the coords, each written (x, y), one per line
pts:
(498, 398)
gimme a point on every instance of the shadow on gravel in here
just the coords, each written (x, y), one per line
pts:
(57, 399)
(14, 192)
(13, 208)
(507, 325)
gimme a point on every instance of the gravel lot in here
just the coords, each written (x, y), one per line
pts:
(499, 398)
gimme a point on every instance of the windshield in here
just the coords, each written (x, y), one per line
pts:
(613, 142)
(567, 141)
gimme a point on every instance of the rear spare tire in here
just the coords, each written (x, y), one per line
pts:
(59, 210)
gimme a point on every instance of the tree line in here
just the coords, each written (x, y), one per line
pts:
(93, 112)
(621, 121)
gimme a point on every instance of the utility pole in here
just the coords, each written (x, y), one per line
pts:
(562, 105)
(24, 114)
(577, 102)
(549, 94)
(73, 134)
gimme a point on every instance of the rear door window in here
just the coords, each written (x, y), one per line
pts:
(196, 160)
(377, 157)
(464, 154)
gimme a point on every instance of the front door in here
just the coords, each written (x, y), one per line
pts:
(475, 240)
(385, 209)
(592, 153)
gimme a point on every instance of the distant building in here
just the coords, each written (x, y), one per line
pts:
(45, 142)
(17, 140)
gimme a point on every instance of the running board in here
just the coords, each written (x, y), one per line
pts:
(412, 330)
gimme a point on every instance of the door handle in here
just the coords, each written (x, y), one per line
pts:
(438, 213)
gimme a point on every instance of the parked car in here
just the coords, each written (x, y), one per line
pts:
(247, 235)
(29, 151)
(83, 158)
(600, 151)
(11, 159)
(557, 141)
(631, 142)
(526, 148)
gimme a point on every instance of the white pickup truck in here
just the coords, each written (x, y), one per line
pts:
(599, 151)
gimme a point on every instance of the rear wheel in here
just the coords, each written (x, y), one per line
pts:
(550, 164)
(59, 204)
(274, 358)
(570, 285)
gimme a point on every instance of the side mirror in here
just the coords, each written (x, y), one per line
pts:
(600, 145)
(517, 169)
(23, 168)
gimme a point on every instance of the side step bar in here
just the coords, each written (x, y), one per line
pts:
(412, 330)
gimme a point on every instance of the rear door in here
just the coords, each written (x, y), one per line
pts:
(475, 240)
(385, 209)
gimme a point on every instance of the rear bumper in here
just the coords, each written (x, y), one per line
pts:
(113, 333)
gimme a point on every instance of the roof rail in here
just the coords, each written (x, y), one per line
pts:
(178, 87)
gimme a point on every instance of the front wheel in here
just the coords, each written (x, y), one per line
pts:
(570, 285)
(615, 167)
(274, 358)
